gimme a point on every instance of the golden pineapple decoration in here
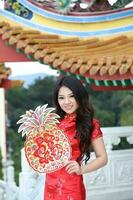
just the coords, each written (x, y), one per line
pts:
(46, 147)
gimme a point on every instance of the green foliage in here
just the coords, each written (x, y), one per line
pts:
(41, 92)
(107, 118)
(111, 107)
(16, 98)
(126, 118)
(16, 142)
(126, 106)
(1, 174)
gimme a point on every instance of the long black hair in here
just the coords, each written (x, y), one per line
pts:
(84, 112)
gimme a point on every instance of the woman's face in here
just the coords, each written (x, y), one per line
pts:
(67, 100)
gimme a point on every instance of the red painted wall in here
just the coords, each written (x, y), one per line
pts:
(9, 54)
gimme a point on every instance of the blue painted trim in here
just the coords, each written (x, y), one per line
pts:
(64, 32)
(77, 19)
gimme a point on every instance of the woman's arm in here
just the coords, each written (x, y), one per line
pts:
(100, 160)
(101, 157)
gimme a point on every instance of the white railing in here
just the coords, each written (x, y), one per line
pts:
(8, 188)
(31, 183)
(2, 190)
(8, 191)
(112, 135)
(115, 180)
(112, 182)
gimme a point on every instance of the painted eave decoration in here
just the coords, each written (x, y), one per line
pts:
(105, 64)
(81, 24)
(52, 10)
(96, 47)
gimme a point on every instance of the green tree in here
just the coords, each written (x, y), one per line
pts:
(126, 106)
(16, 98)
(110, 107)
(41, 92)
(1, 174)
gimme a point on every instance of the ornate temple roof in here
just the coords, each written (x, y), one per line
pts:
(102, 62)
(5, 82)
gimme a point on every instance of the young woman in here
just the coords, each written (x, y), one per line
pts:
(72, 104)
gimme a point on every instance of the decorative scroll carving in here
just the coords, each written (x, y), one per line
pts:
(125, 172)
(97, 178)
(79, 6)
(110, 141)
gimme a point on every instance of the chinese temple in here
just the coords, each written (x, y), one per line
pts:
(93, 43)
(89, 39)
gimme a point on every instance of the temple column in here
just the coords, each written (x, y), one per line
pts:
(3, 130)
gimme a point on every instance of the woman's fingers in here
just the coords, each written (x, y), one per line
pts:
(73, 167)
(71, 170)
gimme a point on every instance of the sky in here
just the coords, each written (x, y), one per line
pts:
(26, 68)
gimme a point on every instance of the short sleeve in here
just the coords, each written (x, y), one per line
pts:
(96, 132)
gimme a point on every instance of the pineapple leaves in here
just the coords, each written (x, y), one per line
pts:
(35, 121)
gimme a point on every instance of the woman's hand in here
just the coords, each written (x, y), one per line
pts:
(73, 167)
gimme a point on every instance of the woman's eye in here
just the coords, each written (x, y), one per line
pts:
(72, 96)
(60, 97)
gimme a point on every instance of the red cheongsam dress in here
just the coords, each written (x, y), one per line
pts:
(60, 185)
